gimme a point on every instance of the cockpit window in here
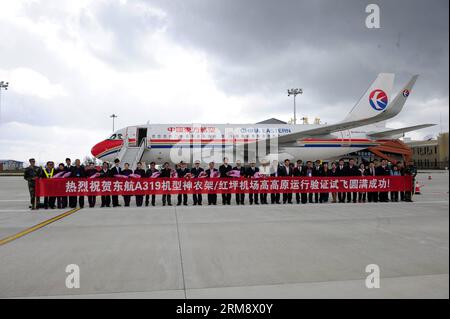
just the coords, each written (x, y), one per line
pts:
(112, 137)
(116, 137)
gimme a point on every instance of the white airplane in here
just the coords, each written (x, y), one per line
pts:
(363, 127)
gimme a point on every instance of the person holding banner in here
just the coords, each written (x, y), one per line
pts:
(224, 169)
(68, 168)
(383, 170)
(333, 172)
(394, 172)
(309, 172)
(340, 172)
(240, 197)
(150, 173)
(195, 172)
(105, 173)
(90, 172)
(126, 172)
(77, 171)
(116, 170)
(264, 171)
(212, 172)
(139, 171)
(183, 171)
(298, 171)
(362, 172)
(286, 170)
(352, 170)
(166, 172)
(48, 172)
(251, 172)
(317, 172)
(324, 172)
(60, 171)
(371, 171)
(274, 169)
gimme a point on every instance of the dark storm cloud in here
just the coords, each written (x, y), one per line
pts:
(324, 46)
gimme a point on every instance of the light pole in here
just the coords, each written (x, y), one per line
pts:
(113, 116)
(294, 92)
(3, 86)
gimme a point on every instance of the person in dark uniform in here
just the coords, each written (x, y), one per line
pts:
(371, 171)
(182, 171)
(274, 169)
(141, 172)
(115, 170)
(91, 171)
(49, 172)
(340, 172)
(60, 199)
(317, 172)
(240, 197)
(127, 172)
(362, 172)
(309, 172)
(251, 171)
(286, 170)
(212, 198)
(32, 173)
(383, 170)
(401, 169)
(352, 170)
(410, 170)
(195, 171)
(77, 171)
(68, 168)
(333, 173)
(104, 173)
(152, 169)
(166, 173)
(224, 169)
(325, 172)
(298, 171)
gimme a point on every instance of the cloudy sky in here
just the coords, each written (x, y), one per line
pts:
(71, 64)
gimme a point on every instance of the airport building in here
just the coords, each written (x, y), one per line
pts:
(10, 165)
(432, 153)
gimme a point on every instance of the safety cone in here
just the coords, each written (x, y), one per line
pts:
(417, 190)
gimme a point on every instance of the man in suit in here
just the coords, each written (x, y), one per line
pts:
(240, 197)
(317, 171)
(166, 173)
(284, 171)
(141, 172)
(371, 171)
(298, 171)
(115, 170)
(104, 173)
(352, 170)
(274, 170)
(91, 171)
(383, 170)
(150, 171)
(250, 172)
(77, 171)
(195, 171)
(264, 171)
(181, 172)
(67, 168)
(224, 169)
(212, 198)
(127, 172)
(340, 172)
(309, 172)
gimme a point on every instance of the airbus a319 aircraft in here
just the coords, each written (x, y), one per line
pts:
(363, 127)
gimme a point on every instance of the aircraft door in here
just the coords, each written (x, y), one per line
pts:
(141, 135)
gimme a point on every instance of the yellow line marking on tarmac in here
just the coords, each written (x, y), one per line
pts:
(36, 227)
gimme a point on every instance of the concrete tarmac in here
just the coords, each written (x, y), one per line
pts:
(265, 251)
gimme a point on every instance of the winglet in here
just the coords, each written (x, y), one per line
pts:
(399, 101)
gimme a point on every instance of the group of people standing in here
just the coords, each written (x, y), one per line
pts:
(308, 169)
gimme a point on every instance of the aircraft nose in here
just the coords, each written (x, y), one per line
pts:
(99, 148)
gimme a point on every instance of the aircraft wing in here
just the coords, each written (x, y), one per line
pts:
(388, 133)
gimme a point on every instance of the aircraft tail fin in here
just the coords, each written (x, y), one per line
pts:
(374, 100)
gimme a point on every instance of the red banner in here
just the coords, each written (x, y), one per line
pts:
(158, 186)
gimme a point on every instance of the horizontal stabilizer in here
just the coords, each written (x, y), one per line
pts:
(389, 133)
